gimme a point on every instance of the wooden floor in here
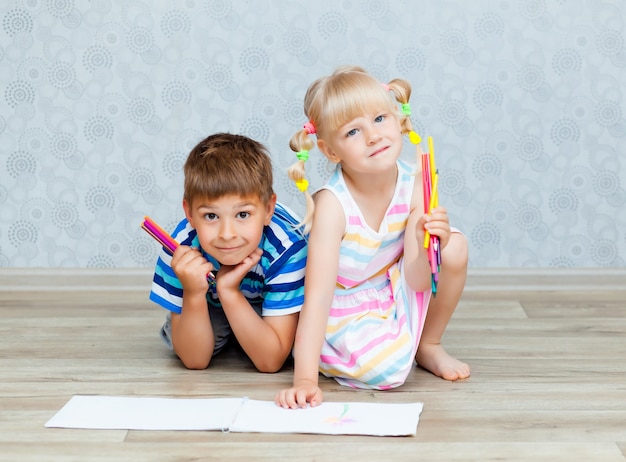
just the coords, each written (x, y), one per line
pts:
(548, 383)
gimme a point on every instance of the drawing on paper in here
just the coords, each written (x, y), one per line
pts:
(341, 419)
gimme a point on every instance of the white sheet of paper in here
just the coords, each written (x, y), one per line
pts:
(378, 419)
(237, 415)
(146, 413)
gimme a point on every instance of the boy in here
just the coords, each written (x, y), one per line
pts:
(234, 229)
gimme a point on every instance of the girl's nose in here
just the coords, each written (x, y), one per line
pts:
(373, 135)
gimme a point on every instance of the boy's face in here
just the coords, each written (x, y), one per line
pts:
(229, 228)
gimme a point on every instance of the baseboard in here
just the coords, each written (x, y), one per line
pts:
(478, 279)
(546, 279)
(75, 279)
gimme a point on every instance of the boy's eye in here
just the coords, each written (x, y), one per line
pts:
(210, 216)
(243, 215)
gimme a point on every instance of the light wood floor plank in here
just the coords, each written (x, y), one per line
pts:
(310, 448)
(548, 375)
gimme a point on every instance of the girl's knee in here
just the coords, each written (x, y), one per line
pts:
(455, 256)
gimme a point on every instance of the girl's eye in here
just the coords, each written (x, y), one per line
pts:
(352, 132)
(243, 215)
(380, 118)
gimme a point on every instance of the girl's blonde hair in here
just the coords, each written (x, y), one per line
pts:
(332, 101)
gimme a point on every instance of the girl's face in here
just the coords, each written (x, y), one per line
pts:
(367, 143)
(229, 228)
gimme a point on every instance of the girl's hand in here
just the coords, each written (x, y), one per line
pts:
(191, 268)
(298, 396)
(437, 224)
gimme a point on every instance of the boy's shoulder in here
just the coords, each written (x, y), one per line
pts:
(286, 221)
(283, 231)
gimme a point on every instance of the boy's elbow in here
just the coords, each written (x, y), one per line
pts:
(269, 366)
(195, 363)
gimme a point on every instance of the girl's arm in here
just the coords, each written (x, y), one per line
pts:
(319, 286)
(417, 268)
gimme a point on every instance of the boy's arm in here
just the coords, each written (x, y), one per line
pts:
(266, 340)
(192, 333)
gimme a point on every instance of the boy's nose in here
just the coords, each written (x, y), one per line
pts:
(227, 230)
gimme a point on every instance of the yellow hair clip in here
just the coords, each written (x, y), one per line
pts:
(302, 184)
(414, 137)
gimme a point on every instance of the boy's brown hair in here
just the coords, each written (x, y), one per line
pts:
(224, 164)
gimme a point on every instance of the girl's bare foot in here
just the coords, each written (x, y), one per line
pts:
(433, 358)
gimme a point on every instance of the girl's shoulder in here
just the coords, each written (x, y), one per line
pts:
(406, 168)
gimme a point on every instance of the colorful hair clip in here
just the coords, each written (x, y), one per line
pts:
(414, 137)
(385, 86)
(310, 128)
(302, 184)
(303, 155)
(406, 109)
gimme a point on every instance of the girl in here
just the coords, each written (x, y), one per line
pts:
(367, 282)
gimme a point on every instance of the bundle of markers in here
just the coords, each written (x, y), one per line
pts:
(167, 241)
(430, 176)
(154, 230)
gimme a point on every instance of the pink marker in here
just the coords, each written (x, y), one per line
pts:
(163, 238)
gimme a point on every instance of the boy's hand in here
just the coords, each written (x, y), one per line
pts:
(191, 268)
(229, 277)
(298, 396)
(437, 224)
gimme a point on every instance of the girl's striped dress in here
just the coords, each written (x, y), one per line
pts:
(376, 320)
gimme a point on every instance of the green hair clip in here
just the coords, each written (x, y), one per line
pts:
(303, 155)
(406, 109)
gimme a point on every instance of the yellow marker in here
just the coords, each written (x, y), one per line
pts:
(433, 168)
(433, 201)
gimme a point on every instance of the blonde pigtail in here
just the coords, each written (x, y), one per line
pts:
(402, 92)
(301, 144)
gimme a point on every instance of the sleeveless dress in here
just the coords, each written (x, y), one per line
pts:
(375, 320)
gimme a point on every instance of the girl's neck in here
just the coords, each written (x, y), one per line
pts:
(372, 193)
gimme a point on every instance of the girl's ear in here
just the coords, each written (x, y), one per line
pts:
(328, 152)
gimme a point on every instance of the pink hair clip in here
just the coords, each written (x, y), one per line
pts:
(310, 128)
(385, 86)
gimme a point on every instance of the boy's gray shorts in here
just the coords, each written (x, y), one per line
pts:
(221, 329)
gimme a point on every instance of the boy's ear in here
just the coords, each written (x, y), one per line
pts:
(187, 209)
(328, 152)
(269, 209)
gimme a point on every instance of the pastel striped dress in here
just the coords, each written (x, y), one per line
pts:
(375, 320)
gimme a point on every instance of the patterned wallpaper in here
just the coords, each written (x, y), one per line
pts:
(101, 100)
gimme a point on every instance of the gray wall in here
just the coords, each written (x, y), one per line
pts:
(101, 101)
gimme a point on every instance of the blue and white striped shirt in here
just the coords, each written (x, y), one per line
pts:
(275, 284)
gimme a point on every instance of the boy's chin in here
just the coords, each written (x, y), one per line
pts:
(230, 260)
